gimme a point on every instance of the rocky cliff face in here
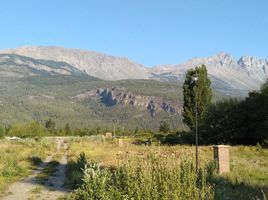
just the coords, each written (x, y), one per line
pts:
(119, 97)
(254, 67)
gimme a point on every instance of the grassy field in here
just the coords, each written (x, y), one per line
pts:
(139, 171)
(17, 159)
(248, 178)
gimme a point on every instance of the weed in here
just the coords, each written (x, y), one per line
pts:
(17, 159)
(37, 189)
(147, 172)
(50, 169)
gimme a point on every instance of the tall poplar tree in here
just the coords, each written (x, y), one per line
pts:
(203, 95)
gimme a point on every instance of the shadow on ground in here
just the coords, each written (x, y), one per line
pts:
(225, 189)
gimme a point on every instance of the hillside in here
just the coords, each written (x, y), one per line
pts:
(34, 89)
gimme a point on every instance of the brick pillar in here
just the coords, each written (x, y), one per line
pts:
(221, 157)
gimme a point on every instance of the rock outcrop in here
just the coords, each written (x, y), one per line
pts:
(119, 97)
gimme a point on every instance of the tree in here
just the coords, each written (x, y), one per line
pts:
(68, 130)
(218, 123)
(237, 122)
(30, 129)
(203, 95)
(164, 127)
(50, 125)
(264, 87)
(2, 131)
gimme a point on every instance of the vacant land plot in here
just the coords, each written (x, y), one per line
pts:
(248, 178)
(103, 169)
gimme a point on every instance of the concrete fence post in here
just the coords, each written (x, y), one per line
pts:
(221, 157)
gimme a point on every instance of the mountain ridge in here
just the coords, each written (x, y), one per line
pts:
(37, 89)
(93, 63)
(243, 75)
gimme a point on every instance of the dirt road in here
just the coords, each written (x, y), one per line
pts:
(31, 188)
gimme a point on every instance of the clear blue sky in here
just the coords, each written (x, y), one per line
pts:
(148, 31)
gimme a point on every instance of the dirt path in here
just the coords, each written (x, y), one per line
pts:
(54, 187)
(30, 188)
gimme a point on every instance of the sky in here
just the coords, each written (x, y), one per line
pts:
(150, 32)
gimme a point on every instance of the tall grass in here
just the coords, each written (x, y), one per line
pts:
(17, 159)
(146, 176)
(143, 168)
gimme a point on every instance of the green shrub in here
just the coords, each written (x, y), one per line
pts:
(35, 160)
(33, 129)
(2, 131)
(148, 177)
(75, 171)
(259, 148)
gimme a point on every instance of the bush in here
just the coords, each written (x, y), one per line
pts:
(2, 131)
(180, 137)
(32, 129)
(147, 177)
(164, 127)
(35, 160)
(75, 171)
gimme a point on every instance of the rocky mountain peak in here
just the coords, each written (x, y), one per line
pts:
(226, 72)
(254, 66)
(222, 60)
(252, 61)
(223, 56)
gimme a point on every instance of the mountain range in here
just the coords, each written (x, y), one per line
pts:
(89, 89)
(228, 75)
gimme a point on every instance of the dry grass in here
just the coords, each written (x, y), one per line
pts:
(249, 165)
(109, 153)
(17, 159)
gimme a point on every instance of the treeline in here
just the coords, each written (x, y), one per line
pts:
(49, 128)
(237, 122)
(36, 129)
(230, 121)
